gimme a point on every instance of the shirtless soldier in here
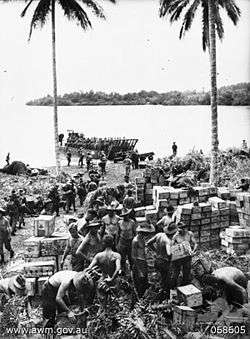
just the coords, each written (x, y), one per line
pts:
(183, 236)
(108, 261)
(59, 292)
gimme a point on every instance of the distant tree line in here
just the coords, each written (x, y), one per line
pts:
(234, 95)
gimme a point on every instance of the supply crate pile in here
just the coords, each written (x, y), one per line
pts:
(42, 253)
(243, 208)
(236, 240)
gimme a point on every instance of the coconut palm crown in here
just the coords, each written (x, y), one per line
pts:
(211, 24)
(174, 8)
(73, 11)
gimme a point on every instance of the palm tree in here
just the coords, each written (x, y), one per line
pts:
(211, 24)
(73, 11)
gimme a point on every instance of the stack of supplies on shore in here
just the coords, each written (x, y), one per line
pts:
(236, 240)
(42, 252)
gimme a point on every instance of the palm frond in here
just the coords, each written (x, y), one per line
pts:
(205, 26)
(189, 17)
(164, 7)
(26, 8)
(176, 12)
(40, 15)
(218, 22)
(97, 9)
(74, 11)
(232, 10)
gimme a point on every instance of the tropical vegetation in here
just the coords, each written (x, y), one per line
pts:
(234, 95)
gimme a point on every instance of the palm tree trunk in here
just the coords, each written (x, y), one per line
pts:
(55, 87)
(213, 95)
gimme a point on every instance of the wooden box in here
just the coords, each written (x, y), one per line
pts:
(205, 207)
(47, 258)
(196, 216)
(186, 209)
(196, 209)
(237, 232)
(180, 251)
(31, 286)
(39, 269)
(205, 221)
(54, 245)
(44, 226)
(190, 295)
(32, 247)
(184, 315)
(217, 202)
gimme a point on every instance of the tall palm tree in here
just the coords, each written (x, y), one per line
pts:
(211, 24)
(73, 11)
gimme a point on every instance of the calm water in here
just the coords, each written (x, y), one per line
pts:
(27, 132)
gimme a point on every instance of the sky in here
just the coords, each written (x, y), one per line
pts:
(132, 50)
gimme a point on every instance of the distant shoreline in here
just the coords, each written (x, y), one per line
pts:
(234, 95)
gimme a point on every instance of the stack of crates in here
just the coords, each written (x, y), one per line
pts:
(140, 189)
(243, 208)
(205, 221)
(42, 252)
(236, 240)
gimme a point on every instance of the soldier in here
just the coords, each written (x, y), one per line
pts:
(185, 237)
(69, 156)
(126, 233)
(140, 268)
(91, 244)
(110, 223)
(54, 196)
(12, 210)
(108, 261)
(80, 161)
(88, 160)
(60, 291)
(69, 195)
(81, 191)
(7, 159)
(13, 286)
(71, 249)
(5, 237)
(162, 247)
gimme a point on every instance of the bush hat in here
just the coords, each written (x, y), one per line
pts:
(146, 229)
(171, 228)
(125, 212)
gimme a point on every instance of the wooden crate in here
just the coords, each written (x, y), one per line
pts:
(54, 245)
(180, 251)
(44, 226)
(184, 315)
(32, 247)
(30, 286)
(39, 269)
(190, 295)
